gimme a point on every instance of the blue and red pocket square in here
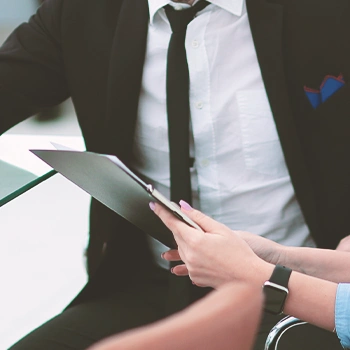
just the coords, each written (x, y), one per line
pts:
(329, 86)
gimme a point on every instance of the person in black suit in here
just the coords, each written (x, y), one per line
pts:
(49, 113)
(96, 53)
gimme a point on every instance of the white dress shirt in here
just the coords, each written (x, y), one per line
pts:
(239, 176)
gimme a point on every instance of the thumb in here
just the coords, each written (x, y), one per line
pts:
(205, 222)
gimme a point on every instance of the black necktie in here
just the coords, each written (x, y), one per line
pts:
(178, 107)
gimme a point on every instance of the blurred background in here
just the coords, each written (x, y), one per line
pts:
(43, 233)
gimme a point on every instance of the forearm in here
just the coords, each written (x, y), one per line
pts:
(321, 263)
(207, 324)
(310, 299)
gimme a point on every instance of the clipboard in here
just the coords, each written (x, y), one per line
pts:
(111, 182)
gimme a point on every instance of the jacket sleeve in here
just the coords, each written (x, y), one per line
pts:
(31, 66)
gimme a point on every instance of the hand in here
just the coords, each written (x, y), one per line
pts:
(264, 248)
(344, 244)
(213, 257)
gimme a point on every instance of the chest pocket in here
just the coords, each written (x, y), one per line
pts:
(260, 142)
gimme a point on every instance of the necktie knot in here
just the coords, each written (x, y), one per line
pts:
(179, 20)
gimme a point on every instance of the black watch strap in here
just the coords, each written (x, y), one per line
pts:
(280, 275)
(276, 290)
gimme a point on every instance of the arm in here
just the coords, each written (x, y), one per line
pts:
(216, 322)
(327, 264)
(31, 67)
(344, 244)
(219, 256)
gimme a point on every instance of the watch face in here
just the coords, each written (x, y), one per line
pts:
(274, 299)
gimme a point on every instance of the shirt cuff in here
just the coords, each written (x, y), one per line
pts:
(342, 314)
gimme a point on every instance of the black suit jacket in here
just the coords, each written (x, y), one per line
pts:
(93, 51)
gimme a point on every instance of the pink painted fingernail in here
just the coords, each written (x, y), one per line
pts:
(185, 205)
(152, 205)
(162, 255)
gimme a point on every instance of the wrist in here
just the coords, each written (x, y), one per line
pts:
(261, 272)
(284, 255)
(276, 290)
(290, 256)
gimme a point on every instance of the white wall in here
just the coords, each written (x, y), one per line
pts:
(16, 11)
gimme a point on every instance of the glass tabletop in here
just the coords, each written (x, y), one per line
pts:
(20, 170)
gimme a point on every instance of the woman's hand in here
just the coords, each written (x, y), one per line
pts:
(344, 245)
(213, 257)
(265, 249)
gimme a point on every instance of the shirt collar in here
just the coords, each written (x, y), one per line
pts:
(233, 6)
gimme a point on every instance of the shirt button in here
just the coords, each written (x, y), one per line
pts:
(205, 163)
(195, 44)
(178, 7)
(199, 104)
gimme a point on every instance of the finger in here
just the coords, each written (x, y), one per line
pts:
(205, 222)
(180, 270)
(199, 285)
(180, 229)
(171, 255)
(195, 281)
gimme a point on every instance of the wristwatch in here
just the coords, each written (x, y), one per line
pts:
(276, 290)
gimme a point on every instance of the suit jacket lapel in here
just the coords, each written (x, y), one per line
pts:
(266, 21)
(125, 76)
